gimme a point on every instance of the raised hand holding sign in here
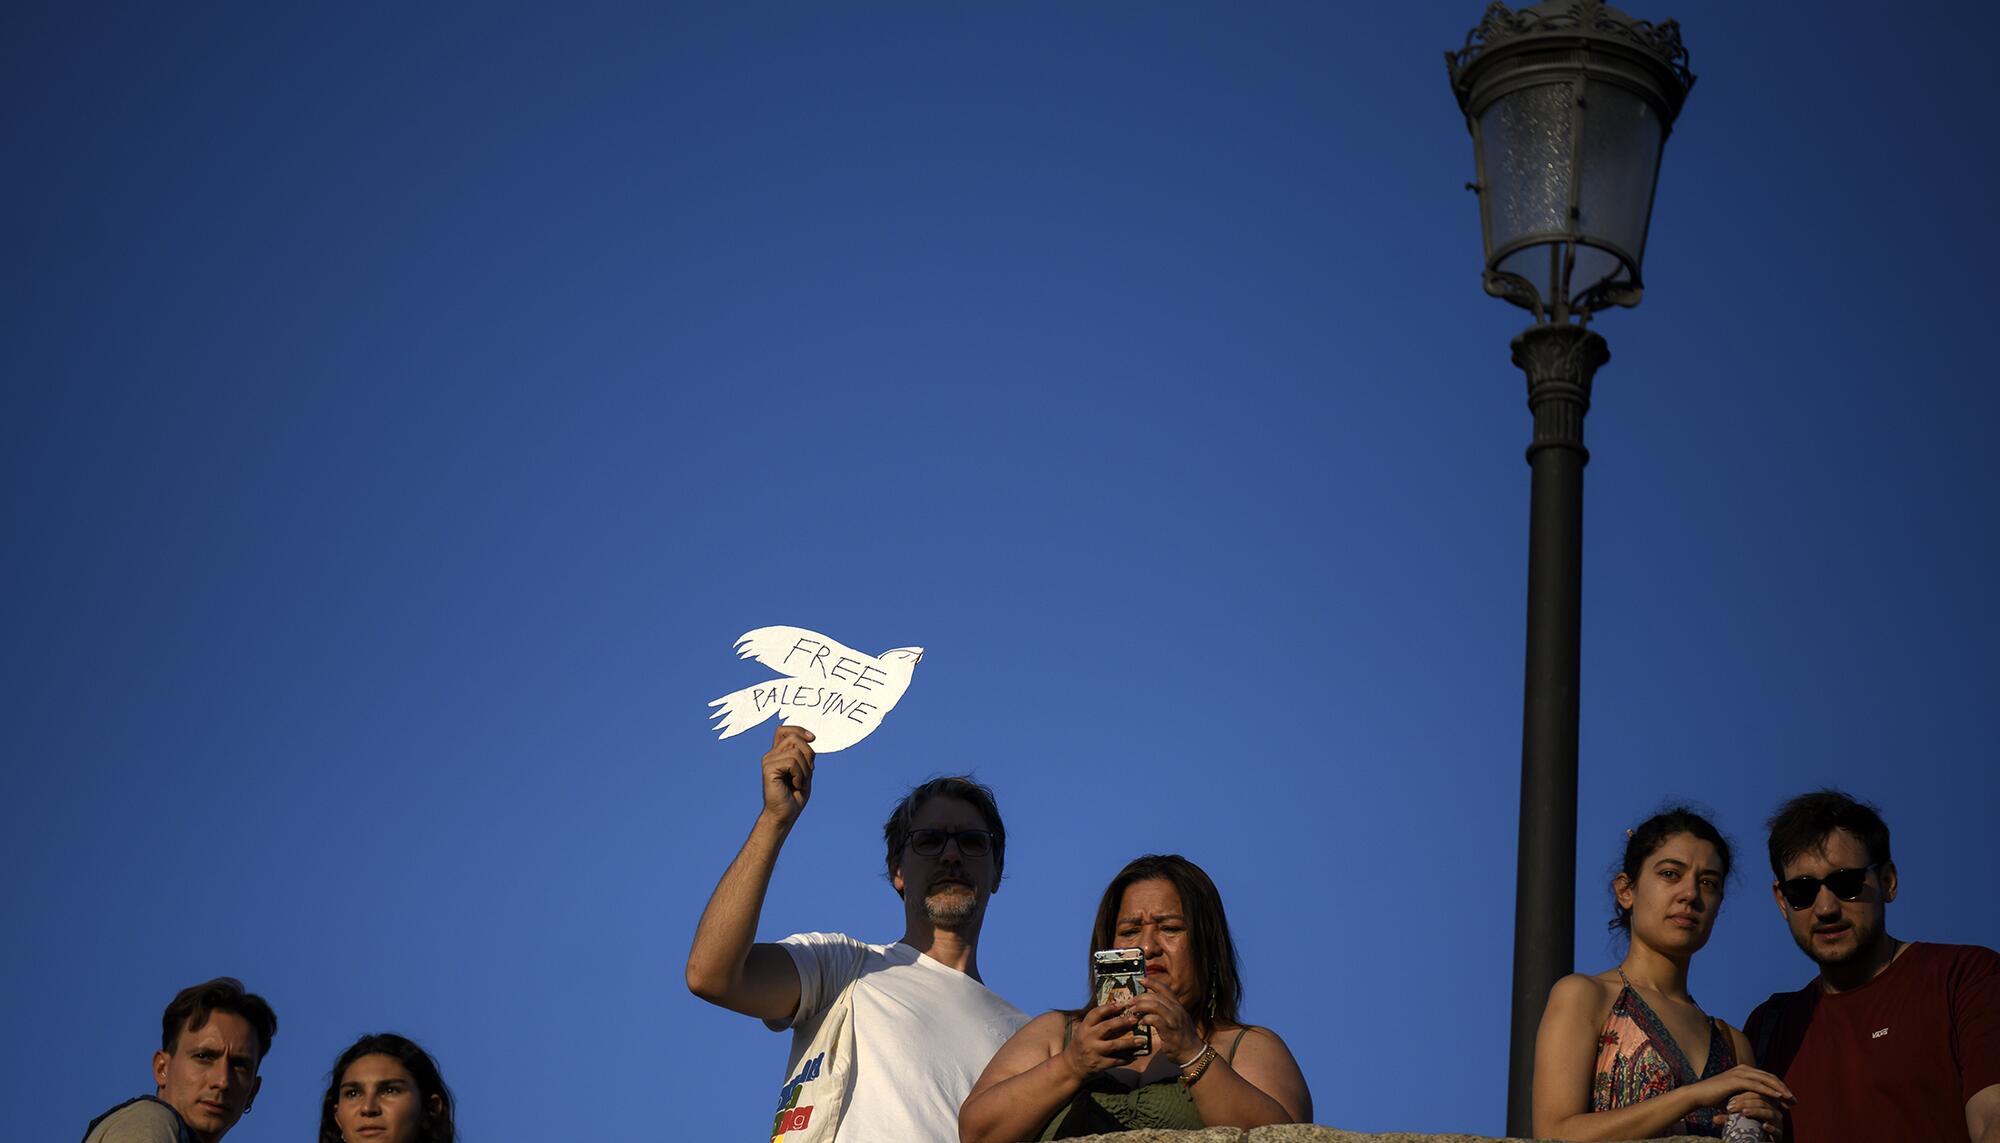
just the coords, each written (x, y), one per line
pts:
(838, 693)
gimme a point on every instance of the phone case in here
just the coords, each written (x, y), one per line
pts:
(1121, 974)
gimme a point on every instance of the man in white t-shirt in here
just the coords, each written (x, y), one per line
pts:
(922, 1025)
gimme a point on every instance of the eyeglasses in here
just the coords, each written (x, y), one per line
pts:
(1846, 884)
(971, 842)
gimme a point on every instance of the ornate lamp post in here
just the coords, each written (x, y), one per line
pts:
(1569, 103)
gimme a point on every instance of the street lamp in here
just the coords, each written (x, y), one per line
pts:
(1569, 103)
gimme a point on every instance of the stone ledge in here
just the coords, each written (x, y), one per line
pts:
(1307, 1133)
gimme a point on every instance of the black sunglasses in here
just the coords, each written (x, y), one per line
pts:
(971, 842)
(1801, 892)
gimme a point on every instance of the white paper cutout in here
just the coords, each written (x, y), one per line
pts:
(836, 692)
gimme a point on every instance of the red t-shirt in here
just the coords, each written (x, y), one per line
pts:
(1896, 1058)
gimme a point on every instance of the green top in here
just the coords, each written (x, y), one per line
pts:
(1105, 1105)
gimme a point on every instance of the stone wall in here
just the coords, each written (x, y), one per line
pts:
(1301, 1133)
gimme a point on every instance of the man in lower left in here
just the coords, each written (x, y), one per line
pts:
(213, 1037)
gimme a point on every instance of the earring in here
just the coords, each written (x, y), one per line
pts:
(1214, 986)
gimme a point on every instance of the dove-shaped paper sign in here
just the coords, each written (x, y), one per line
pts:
(836, 692)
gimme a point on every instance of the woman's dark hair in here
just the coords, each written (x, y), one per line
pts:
(1653, 833)
(436, 1126)
(1208, 931)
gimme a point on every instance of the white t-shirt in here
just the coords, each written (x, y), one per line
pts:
(922, 1034)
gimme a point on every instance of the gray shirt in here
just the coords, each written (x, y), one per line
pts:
(141, 1121)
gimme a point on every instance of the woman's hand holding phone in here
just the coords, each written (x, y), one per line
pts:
(1103, 1039)
(1174, 1033)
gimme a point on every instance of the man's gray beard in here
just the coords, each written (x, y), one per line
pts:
(951, 909)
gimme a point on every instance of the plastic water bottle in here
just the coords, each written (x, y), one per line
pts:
(1742, 1129)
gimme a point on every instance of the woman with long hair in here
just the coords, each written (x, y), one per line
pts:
(386, 1089)
(1172, 1056)
(1628, 1053)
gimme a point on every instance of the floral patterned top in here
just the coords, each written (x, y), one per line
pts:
(1638, 1059)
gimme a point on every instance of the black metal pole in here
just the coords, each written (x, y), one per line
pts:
(1560, 361)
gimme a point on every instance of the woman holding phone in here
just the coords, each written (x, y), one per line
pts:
(1089, 1071)
(1627, 1053)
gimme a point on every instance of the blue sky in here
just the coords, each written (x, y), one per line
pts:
(408, 406)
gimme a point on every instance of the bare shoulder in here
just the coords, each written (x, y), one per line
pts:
(1248, 1036)
(1578, 986)
(1045, 1030)
(1261, 1057)
(1580, 997)
(1982, 1111)
(1253, 1045)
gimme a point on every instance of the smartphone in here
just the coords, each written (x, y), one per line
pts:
(1120, 974)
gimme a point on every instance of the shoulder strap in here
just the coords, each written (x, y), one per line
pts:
(1069, 1026)
(1230, 1055)
(1785, 1010)
(1765, 1029)
(1722, 1047)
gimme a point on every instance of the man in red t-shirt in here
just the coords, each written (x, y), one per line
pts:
(1895, 1040)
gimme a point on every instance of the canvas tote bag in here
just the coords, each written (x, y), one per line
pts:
(811, 1102)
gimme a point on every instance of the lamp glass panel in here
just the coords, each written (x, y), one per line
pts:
(1532, 263)
(1621, 153)
(1526, 136)
(1592, 266)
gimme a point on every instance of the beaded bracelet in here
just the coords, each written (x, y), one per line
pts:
(1191, 1071)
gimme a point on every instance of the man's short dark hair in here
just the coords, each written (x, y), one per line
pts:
(896, 831)
(193, 1005)
(1803, 824)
